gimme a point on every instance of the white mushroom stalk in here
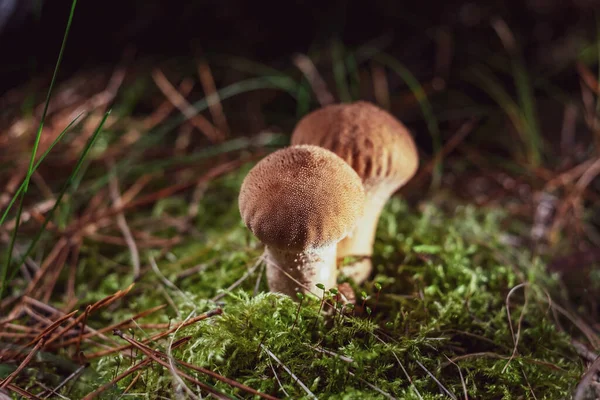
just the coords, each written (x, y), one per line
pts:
(381, 151)
(288, 272)
(300, 202)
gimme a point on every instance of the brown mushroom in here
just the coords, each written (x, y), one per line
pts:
(379, 148)
(300, 202)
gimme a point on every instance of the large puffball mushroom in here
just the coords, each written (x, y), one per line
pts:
(300, 202)
(379, 148)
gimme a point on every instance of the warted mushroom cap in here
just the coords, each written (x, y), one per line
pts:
(376, 145)
(301, 197)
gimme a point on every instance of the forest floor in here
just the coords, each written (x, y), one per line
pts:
(126, 269)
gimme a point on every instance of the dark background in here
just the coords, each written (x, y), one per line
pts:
(268, 31)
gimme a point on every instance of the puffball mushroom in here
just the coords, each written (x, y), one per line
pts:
(300, 202)
(379, 148)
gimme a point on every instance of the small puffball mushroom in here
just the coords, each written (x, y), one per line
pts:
(300, 202)
(379, 148)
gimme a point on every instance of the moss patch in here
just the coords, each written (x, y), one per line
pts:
(434, 321)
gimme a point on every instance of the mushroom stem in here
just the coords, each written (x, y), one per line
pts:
(359, 243)
(291, 272)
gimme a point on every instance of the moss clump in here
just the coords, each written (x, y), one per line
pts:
(434, 319)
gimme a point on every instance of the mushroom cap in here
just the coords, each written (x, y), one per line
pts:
(301, 198)
(377, 146)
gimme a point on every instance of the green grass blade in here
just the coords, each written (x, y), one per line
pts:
(352, 68)
(5, 267)
(126, 165)
(340, 73)
(286, 84)
(303, 98)
(36, 166)
(483, 78)
(71, 179)
(131, 168)
(528, 110)
(214, 150)
(426, 108)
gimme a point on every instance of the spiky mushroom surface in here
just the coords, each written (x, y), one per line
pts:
(300, 202)
(381, 151)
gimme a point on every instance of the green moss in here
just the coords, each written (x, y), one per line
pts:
(444, 278)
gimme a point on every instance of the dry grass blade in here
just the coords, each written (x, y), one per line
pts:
(316, 82)
(38, 208)
(375, 388)
(462, 379)
(214, 375)
(404, 371)
(588, 78)
(45, 291)
(226, 380)
(574, 199)
(586, 380)
(23, 364)
(118, 325)
(83, 323)
(210, 90)
(298, 381)
(111, 299)
(459, 136)
(381, 87)
(152, 354)
(73, 375)
(201, 123)
(122, 223)
(70, 298)
(133, 382)
(277, 379)
(61, 245)
(516, 336)
(489, 354)
(583, 351)
(89, 309)
(566, 178)
(213, 173)
(440, 385)
(51, 328)
(22, 392)
(216, 311)
(162, 111)
(130, 371)
(239, 281)
(100, 303)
